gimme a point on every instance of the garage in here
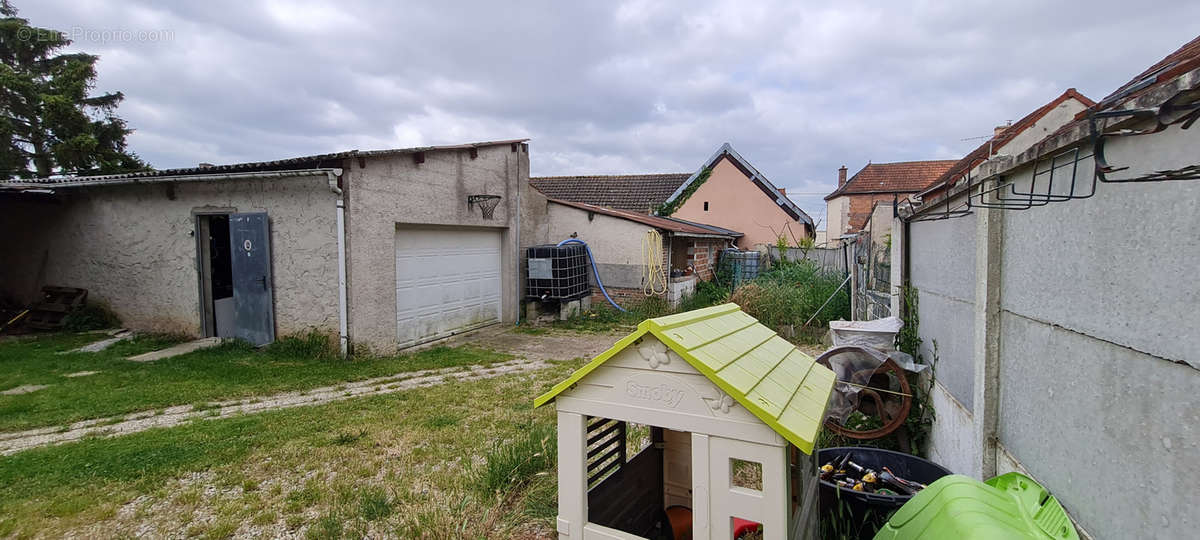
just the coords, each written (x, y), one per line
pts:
(447, 281)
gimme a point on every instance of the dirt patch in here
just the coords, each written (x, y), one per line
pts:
(549, 346)
(81, 374)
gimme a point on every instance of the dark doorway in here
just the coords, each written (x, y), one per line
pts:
(216, 276)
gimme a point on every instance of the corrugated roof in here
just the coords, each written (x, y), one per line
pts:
(899, 177)
(761, 371)
(993, 145)
(659, 222)
(633, 192)
(302, 162)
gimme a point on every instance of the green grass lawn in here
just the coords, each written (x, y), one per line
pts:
(429, 462)
(229, 371)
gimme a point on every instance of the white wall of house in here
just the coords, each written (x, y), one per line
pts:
(837, 215)
(615, 243)
(1087, 361)
(133, 247)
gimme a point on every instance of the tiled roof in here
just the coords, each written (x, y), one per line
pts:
(1167, 79)
(302, 162)
(901, 177)
(665, 223)
(993, 145)
(776, 382)
(633, 192)
(1185, 59)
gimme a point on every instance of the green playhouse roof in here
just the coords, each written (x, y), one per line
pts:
(766, 374)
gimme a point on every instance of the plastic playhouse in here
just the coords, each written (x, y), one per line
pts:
(718, 389)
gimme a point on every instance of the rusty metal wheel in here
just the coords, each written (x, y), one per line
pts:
(879, 399)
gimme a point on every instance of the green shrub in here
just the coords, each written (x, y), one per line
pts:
(93, 316)
(511, 465)
(790, 293)
(707, 294)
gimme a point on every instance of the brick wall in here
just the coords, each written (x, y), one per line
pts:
(860, 208)
(621, 295)
(702, 256)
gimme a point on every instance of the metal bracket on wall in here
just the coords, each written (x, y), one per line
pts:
(1182, 109)
(1004, 193)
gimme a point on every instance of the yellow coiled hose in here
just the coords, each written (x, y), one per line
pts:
(654, 275)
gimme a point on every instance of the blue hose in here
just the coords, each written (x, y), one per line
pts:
(595, 272)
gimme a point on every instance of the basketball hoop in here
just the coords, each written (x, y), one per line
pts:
(487, 204)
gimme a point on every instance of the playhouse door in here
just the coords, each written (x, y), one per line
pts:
(250, 249)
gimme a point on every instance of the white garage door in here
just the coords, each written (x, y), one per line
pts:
(447, 281)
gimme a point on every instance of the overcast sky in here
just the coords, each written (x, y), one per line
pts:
(605, 86)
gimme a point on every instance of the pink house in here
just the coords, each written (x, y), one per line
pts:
(727, 191)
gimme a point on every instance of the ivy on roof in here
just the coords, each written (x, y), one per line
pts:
(669, 207)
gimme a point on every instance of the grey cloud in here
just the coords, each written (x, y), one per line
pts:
(600, 87)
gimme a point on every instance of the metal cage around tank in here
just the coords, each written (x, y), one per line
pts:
(557, 272)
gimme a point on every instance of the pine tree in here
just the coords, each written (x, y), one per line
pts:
(49, 125)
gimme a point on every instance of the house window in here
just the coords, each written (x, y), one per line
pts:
(705, 206)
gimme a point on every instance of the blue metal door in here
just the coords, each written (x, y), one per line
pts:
(250, 246)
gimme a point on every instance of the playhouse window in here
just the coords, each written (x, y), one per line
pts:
(745, 474)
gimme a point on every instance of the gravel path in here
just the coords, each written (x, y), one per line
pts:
(11, 443)
(534, 352)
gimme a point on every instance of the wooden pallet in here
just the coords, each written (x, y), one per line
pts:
(55, 304)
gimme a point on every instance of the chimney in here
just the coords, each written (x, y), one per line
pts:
(841, 176)
(1000, 129)
(204, 165)
(783, 191)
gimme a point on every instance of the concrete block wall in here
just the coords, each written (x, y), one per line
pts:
(1067, 338)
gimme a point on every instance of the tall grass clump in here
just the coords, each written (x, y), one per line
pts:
(512, 465)
(313, 344)
(603, 317)
(789, 293)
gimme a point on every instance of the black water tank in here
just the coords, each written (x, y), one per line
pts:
(557, 272)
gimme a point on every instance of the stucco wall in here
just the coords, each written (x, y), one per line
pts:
(133, 248)
(387, 191)
(1098, 332)
(836, 215)
(615, 243)
(1050, 122)
(735, 202)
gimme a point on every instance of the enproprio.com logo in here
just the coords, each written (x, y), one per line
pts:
(96, 35)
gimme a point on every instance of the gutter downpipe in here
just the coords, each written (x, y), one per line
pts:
(517, 297)
(343, 326)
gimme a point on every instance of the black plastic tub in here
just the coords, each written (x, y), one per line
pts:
(850, 513)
